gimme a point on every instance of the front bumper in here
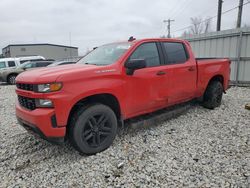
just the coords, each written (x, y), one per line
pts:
(42, 122)
(1, 79)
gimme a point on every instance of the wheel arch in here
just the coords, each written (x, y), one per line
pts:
(10, 74)
(217, 77)
(107, 99)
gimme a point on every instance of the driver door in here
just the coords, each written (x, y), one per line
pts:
(146, 89)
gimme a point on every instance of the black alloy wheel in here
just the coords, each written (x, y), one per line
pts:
(97, 129)
(93, 128)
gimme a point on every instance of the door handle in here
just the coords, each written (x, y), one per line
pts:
(160, 73)
(191, 69)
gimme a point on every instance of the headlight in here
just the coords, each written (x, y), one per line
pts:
(44, 103)
(46, 88)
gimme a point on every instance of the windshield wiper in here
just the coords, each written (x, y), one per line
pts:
(94, 64)
(90, 63)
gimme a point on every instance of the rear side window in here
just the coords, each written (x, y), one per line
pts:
(149, 53)
(11, 63)
(176, 52)
(2, 64)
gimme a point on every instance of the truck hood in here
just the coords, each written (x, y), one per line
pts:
(50, 74)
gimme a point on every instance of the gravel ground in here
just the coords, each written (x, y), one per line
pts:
(202, 148)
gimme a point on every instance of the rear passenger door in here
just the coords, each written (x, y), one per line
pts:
(182, 71)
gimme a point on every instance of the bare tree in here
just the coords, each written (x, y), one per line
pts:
(207, 25)
(245, 25)
(196, 25)
(185, 34)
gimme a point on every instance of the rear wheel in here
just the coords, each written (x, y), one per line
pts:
(213, 95)
(11, 79)
(93, 128)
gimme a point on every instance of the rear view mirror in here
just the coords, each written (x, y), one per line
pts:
(134, 64)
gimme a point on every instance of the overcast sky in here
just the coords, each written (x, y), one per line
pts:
(95, 22)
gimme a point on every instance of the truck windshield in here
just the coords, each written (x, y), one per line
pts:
(105, 55)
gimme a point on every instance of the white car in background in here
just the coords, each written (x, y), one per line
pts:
(16, 61)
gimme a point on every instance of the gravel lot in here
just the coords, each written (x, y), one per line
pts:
(201, 148)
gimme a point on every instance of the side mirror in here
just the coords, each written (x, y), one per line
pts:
(134, 64)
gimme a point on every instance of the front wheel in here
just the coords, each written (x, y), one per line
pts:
(11, 79)
(93, 128)
(213, 95)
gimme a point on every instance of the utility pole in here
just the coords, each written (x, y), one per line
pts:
(169, 22)
(239, 13)
(219, 14)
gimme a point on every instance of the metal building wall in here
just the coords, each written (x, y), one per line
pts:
(233, 44)
(46, 50)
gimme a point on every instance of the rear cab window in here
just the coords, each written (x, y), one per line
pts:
(175, 52)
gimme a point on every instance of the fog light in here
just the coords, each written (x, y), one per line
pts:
(44, 103)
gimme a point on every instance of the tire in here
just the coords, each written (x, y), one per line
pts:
(213, 95)
(12, 79)
(92, 128)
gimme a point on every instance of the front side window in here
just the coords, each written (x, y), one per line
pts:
(2, 64)
(176, 52)
(149, 53)
(105, 55)
(11, 63)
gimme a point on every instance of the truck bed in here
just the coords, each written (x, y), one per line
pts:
(210, 67)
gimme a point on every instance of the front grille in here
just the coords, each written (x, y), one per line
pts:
(28, 87)
(26, 102)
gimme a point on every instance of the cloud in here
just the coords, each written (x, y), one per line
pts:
(92, 23)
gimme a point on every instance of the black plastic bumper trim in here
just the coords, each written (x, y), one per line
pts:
(36, 131)
(53, 121)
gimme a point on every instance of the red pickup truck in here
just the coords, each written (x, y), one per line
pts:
(86, 102)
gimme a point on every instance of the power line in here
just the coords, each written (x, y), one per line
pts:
(229, 10)
(177, 8)
(179, 11)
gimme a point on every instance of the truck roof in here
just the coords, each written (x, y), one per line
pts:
(150, 39)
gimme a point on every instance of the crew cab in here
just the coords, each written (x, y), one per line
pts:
(86, 101)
